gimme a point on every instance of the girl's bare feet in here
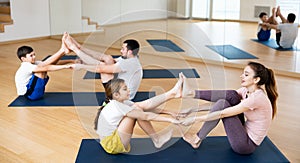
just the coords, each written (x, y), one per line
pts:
(162, 139)
(193, 140)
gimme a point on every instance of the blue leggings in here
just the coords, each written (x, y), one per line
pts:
(234, 126)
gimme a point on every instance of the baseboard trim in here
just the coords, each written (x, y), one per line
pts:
(24, 40)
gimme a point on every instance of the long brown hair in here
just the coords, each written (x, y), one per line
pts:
(267, 78)
(111, 87)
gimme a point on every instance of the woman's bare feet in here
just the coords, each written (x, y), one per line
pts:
(176, 91)
(162, 139)
(187, 91)
(192, 139)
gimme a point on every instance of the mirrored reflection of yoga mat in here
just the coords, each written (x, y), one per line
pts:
(164, 46)
(154, 73)
(72, 99)
(231, 52)
(212, 149)
(271, 43)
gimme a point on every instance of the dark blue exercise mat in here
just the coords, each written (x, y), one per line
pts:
(231, 52)
(73, 57)
(212, 149)
(72, 99)
(164, 46)
(65, 57)
(271, 43)
(154, 73)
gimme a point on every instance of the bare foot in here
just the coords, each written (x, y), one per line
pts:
(274, 11)
(75, 42)
(63, 44)
(68, 41)
(176, 91)
(162, 139)
(193, 140)
(278, 11)
(186, 90)
(106, 77)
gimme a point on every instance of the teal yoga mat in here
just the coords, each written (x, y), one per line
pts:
(162, 45)
(230, 52)
(271, 43)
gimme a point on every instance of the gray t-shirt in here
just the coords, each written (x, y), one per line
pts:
(289, 33)
(131, 72)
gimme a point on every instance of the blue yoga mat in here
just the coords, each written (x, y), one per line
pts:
(212, 149)
(72, 99)
(73, 57)
(65, 57)
(271, 43)
(231, 52)
(164, 46)
(154, 73)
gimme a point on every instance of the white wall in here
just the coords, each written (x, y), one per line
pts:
(38, 18)
(247, 8)
(65, 15)
(115, 11)
(183, 8)
(102, 11)
(31, 19)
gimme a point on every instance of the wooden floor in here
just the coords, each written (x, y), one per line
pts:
(54, 134)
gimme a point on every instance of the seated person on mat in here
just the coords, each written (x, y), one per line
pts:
(258, 105)
(115, 121)
(31, 78)
(288, 30)
(127, 67)
(263, 32)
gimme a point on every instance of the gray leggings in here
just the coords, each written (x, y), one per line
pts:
(234, 126)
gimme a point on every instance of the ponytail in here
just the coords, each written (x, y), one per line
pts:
(271, 89)
(267, 78)
(98, 113)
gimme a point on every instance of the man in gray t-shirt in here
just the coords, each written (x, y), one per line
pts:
(126, 67)
(288, 30)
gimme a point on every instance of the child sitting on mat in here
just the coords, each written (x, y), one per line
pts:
(115, 120)
(258, 94)
(31, 78)
(264, 32)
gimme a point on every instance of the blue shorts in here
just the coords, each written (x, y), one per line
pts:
(36, 87)
(264, 35)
